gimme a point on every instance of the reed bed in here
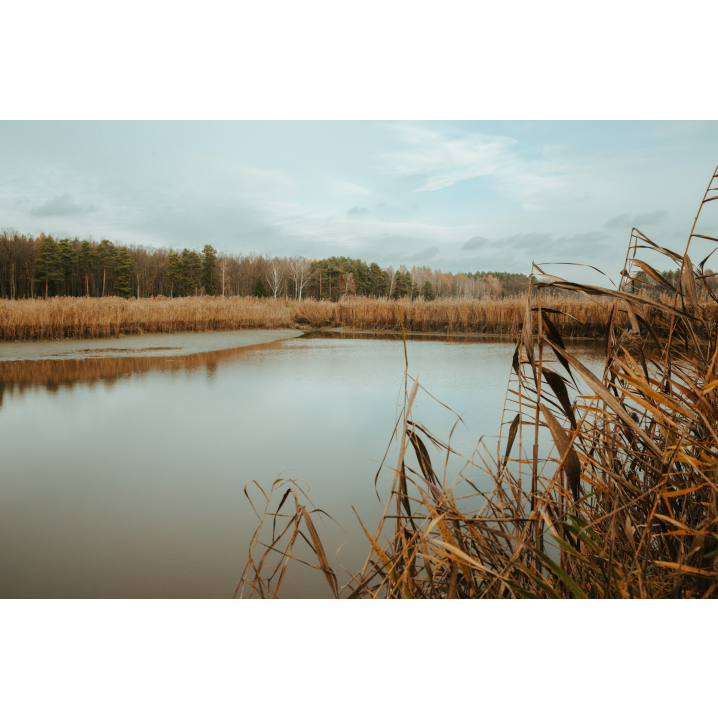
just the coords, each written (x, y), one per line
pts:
(611, 494)
(579, 318)
(89, 317)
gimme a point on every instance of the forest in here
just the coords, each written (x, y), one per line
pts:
(43, 266)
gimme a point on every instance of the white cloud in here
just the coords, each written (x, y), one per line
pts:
(350, 189)
(434, 160)
(437, 161)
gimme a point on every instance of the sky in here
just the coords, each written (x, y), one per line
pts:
(458, 196)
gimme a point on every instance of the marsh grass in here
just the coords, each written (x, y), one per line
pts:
(625, 503)
(90, 317)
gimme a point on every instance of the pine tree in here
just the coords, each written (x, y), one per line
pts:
(67, 261)
(428, 291)
(123, 267)
(209, 276)
(259, 289)
(174, 273)
(403, 284)
(379, 280)
(106, 254)
(85, 264)
(48, 269)
(191, 264)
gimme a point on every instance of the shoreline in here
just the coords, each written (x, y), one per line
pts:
(156, 345)
(459, 335)
(168, 336)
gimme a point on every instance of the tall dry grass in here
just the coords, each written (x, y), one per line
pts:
(623, 504)
(87, 317)
(580, 317)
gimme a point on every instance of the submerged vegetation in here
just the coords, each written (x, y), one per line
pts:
(624, 504)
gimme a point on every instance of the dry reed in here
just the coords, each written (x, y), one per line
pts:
(87, 317)
(623, 505)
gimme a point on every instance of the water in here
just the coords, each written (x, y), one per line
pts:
(123, 473)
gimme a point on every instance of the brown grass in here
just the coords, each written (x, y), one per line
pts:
(87, 317)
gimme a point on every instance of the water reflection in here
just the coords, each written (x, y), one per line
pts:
(124, 476)
(55, 373)
(411, 337)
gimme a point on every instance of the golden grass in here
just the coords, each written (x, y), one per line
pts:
(88, 317)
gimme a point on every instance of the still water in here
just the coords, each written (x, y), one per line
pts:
(124, 461)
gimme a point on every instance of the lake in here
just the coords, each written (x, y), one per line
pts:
(124, 461)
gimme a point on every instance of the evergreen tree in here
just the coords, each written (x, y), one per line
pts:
(209, 275)
(174, 273)
(106, 254)
(67, 260)
(402, 284)
(428, 291)
(48, 269)
(361, 276)
(85, 264)
(259, 289)
(379, 280)
(123, 267)
(191, 264)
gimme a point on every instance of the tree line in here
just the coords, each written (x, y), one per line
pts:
(44, 266)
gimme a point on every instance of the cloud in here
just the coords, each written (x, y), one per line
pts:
(61, 205)
(357, 210)
(532, 240)
(627, 221)
(475, 243)
(433, 161)
(437, 159)
(350, 188)
(425, 254)
(547, 248)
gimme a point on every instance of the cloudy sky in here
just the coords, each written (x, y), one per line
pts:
(451, 195)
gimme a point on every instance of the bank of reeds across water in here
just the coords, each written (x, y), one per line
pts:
(90, 318)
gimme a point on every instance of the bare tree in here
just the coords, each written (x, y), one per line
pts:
(391, 273)
(489, 287)
(274, 275)
(223, 267)
(300, 270)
